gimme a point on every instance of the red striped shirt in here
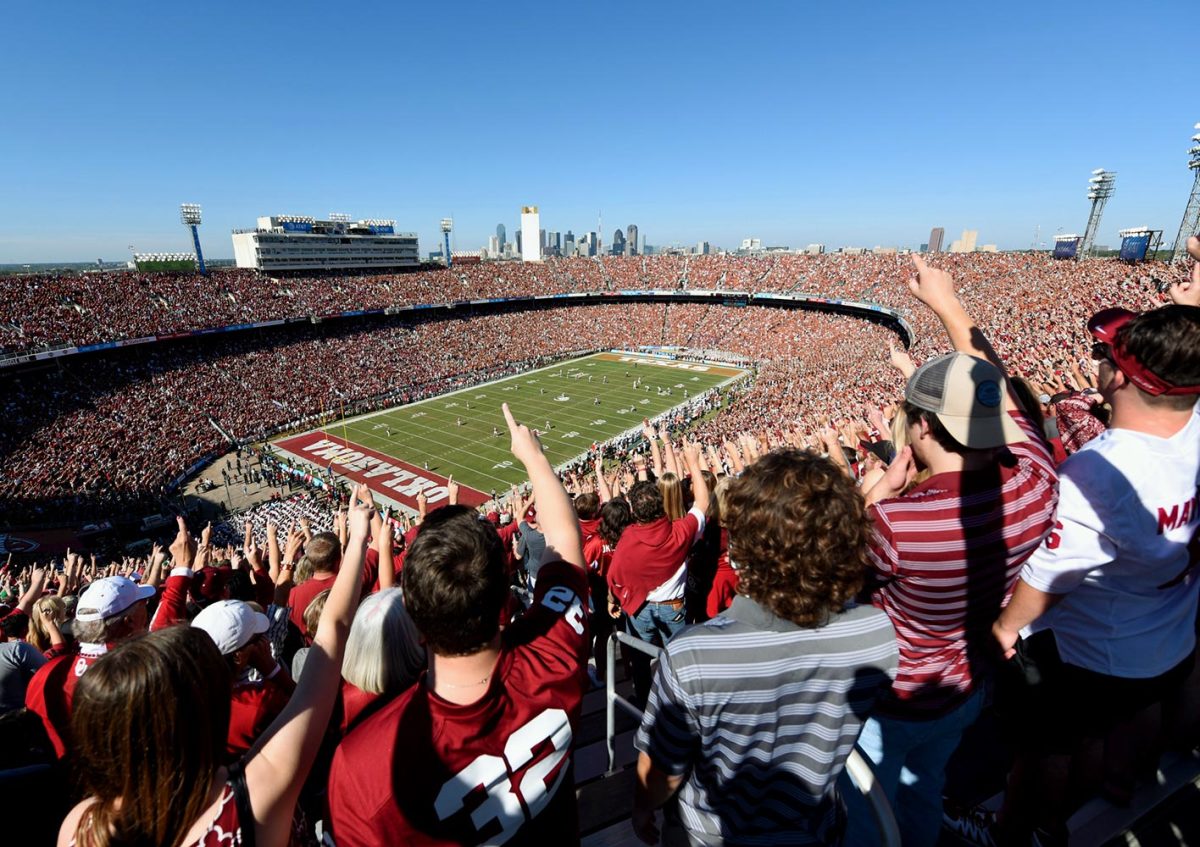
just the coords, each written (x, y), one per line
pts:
(950, 551)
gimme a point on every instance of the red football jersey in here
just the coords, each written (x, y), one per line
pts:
(498, 771)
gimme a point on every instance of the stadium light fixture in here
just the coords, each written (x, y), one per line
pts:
(189, 214)
(1098, 171)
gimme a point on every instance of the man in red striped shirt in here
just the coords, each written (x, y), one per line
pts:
(947, 552)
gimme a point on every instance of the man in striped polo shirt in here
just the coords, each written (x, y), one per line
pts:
(947, 552)
(754, 712)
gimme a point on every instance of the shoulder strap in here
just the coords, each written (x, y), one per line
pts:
(241, 797)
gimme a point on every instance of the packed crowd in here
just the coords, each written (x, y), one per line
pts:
(77, 309)
(113, 433)
(881, 585)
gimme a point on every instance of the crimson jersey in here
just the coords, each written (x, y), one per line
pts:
(498, 771)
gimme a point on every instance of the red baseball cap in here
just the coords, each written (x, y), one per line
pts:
(1104, 326)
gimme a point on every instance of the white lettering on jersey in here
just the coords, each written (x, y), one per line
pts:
(562, 599)
(491, 773)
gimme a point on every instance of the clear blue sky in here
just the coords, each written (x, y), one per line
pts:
(843, 123)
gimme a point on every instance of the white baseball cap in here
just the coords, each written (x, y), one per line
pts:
(110, 596)
(231, 624)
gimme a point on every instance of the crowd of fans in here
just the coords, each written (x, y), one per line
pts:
(113, 433)
(47, 310)
(847, 532)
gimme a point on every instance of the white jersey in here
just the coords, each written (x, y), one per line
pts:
(1127, 513)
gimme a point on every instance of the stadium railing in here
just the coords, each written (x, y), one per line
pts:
(857, 767)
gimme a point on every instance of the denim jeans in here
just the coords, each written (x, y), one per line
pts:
(909, 760)
(655, 623)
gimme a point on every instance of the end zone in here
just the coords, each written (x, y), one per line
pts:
(383, 474)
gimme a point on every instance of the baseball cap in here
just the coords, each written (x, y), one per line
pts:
(1104, 326)
(967, 395)
(110, 596)
(231, 624)
(209, 584)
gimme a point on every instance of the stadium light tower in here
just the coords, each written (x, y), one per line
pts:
(1190, 225)
(1100, 187)
(189, 215)
(447, 227)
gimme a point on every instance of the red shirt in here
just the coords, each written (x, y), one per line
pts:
(425, 771)
(725, 580)
(254, 706)
(647, 556)
(950, 551)
(52, 688)
(305, 593)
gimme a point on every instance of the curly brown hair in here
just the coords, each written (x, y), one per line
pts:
(798, 535)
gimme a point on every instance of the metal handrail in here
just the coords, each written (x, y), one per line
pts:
(857, 766)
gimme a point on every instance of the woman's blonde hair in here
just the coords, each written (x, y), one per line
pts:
(39, 637)
(672, 495)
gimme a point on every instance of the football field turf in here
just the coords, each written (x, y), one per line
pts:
(416, 447)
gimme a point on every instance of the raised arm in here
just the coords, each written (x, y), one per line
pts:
(602, 487)
(700, 495)
(935, 288)
(651, 435)
(556, 516)
(278, 763)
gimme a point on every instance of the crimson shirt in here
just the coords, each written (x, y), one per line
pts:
(424, 771)
(254, 706)
(648, 555)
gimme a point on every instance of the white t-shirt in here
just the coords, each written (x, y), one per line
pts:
(1127, 511)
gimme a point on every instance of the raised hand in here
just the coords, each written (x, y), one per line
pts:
(1187, 292)
(901, 361)
(183, 548)
(452, 490)
(932, 286)
(525, 445)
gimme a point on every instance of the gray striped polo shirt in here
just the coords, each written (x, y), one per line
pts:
(760, 714)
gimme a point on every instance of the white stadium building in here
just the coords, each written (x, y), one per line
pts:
(298, 243)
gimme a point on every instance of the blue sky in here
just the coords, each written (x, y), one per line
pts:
(847, 124)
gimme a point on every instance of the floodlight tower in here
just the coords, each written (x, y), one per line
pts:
(189, 215)
(447, 226)
(1190, 225)
(1100, 187)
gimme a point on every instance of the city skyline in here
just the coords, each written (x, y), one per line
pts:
(117, 120)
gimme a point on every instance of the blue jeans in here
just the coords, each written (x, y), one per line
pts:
(656, 623)
(909, 760)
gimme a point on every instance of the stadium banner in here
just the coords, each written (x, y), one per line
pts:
(1134, 247)
(52, 541)
(378, 229)
(297, 226)
(129, 342)
(383, 474)
(1066, 248)
(89, 348)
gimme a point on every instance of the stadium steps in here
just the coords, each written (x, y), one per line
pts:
(1165, 813)
(605, 801)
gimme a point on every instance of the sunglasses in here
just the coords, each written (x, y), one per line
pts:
(1101, 352)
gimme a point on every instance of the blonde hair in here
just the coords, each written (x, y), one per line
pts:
(312, 613)
(672, 495)
(39, 637)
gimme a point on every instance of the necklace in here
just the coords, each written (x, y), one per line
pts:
(464, 684)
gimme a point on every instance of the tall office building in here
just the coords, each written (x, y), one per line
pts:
(966, 244)
(569, 244)
(494, 248)
(593, 243)
(500, 235)
(530, 234)
(703, 248)
(936, 236)
(618, 243)
(631, 240)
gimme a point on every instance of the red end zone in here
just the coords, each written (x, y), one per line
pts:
(386, 475)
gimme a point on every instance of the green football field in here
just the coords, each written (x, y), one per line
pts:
(572, 405)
